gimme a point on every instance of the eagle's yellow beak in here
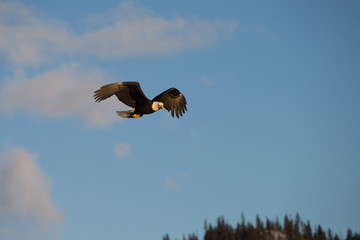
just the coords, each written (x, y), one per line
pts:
(162, 106)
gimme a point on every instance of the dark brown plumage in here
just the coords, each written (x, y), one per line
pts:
(130, 93)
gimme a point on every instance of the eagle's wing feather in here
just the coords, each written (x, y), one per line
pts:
(173, 101)
(127, 92)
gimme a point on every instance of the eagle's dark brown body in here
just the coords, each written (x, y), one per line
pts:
(131, 94)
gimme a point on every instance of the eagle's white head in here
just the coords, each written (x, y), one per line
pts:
(157, 105)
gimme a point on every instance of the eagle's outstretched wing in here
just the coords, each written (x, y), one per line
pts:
(173, 100)
(127, 92)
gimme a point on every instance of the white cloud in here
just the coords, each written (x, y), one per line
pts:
(208, 82)
(183, 176)
(66, 91)
(176, 184)
(27, 38)
(130, 30)
(169, 182)
(122, 150)
(26, 208)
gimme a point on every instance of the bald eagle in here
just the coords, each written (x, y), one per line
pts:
(131, 94)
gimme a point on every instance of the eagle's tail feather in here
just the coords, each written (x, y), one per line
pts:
(125, 114)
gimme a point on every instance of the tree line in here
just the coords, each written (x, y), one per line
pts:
(292, 229)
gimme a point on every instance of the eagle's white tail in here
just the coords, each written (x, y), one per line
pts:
(125, 114)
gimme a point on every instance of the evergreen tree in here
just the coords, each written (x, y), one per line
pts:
(349, 235)
(330, 235)
(269, 225)
(252, 234)
(239, 232)
(288, 228)
(277, 224)
(307, 232)
(191, 237)
(296, 230)
(210, 234)
(260, 228)
(224, 230)
(243, 223)
(319, 234)
(166, 237)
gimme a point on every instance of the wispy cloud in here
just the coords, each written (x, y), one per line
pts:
(66, 91)
(169, 183)
(175, 183)
(122, 150)
(207, 82)
(29, 41)
(26, 208)
(130, 30)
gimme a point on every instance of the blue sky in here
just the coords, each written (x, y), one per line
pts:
(272, 126)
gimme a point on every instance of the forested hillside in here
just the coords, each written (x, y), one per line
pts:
(291, 229)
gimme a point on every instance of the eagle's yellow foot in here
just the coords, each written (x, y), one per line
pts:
(136, 115)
